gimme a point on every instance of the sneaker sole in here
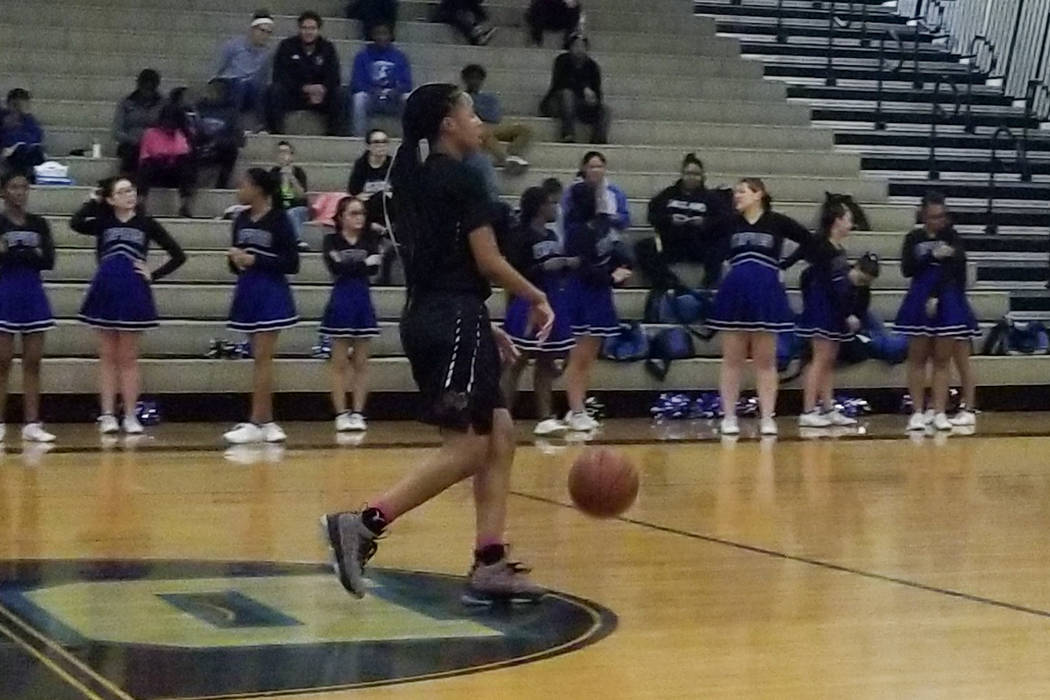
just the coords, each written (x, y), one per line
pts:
(330, 536)
(479, 600)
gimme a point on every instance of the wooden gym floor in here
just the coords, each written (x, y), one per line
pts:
(840, 568)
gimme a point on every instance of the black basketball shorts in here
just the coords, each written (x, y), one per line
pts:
(455, 362)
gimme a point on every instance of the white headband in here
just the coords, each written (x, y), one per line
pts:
(261, 21)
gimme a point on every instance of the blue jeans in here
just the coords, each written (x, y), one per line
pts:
(364, 104)
(248, 96)
(298, 216)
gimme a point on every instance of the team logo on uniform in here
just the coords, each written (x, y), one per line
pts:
(195, 629)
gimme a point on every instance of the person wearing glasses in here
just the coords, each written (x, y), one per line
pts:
(368, 179)
(244, 61)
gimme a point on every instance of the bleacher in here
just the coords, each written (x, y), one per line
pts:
(673, 85)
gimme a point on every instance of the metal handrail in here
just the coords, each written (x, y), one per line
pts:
(921, 24)
(829, 72)
(880, 123)
(973, 58)
(938, 113)
(992, 227)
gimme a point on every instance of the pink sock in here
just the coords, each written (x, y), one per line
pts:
(487, 541)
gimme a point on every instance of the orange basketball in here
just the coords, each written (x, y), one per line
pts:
(603, 482)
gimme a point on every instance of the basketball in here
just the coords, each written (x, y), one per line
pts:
(603, 483)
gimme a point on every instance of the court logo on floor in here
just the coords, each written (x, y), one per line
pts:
(195, 629)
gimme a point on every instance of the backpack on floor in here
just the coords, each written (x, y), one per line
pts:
(686, 307)
(1011, 337)
(631, 345)
(675, 343)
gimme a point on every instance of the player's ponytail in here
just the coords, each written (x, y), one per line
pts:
(425, 109)
(269, 183)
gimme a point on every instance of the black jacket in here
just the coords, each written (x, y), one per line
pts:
(569, 75)
(678, 217)
(293, 68)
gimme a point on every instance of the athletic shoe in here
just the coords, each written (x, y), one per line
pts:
(132, 426)
(3, 430)
(580, 422)
(515, 165)
(815, 419)
(917, 422)
(352, 544)
(107, 424)
(964, 417)
(768, 426)
(505, 582)
(484, 36)
(356, 422)
(730, 426)
(303, 246)
(34, 432)
(550, 426)
(928, 416)
(940, 421)
(342, 423)
(838, 418)
(271, 432)
(244, 434)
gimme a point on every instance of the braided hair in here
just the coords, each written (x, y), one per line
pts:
(425, 110)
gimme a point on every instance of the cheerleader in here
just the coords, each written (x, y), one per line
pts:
(351, 255)
(751, 306)
(835, 298)
(26, 248)
(263, 252)
(119, 302)
(595, 213)
(537, 254)
(935, 312)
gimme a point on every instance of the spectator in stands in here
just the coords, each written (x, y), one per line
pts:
(136, 113)
(292, 189)
(469, 17)
(166, 158)
(488, 108)
(21, 138)
(369, 175)
(371, 13)
(244, 61)
(369, 179)
(219, 136)
(305, 77)
(576, 93)
(380, 81)
(678, 214)
(552, 16)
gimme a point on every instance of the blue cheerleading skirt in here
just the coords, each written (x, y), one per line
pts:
(24, 307)
(590, 308)
(349, 312)
(262, 301)
(953, 319)
(119, 299)
(561, 338)
(752, 299)
(819, 317)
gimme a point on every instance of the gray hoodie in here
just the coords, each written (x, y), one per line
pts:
(133, 117)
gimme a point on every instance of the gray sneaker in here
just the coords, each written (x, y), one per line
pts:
(352, 544)
(505, 582)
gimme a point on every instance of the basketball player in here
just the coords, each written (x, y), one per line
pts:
(444, 223)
